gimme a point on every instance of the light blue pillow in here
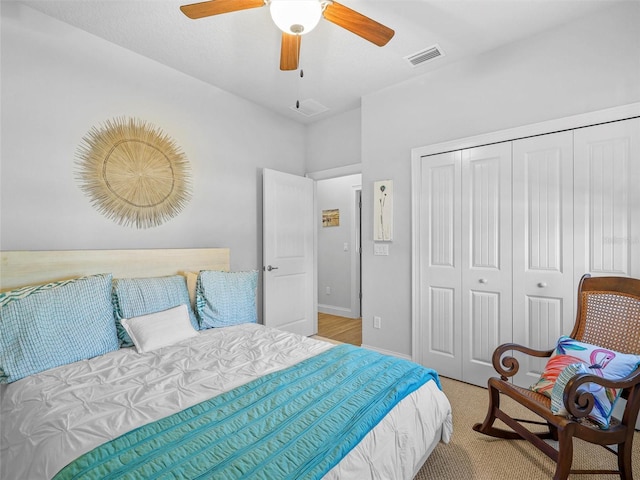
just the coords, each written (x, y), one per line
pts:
(134, 297)
(226, 298)
(47, 326)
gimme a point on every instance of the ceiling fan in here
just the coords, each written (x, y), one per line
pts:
(295, 18)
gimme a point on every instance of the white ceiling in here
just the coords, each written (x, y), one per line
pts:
(239, 52)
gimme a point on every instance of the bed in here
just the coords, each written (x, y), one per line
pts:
(233, 400)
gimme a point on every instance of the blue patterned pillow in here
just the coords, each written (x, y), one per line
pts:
(47, 326)
(226, 298)
(134, 297)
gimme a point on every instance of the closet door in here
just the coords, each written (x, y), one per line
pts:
(607, 203)
(607, 199)
(440, 245)
(543, 292)
(486, 258)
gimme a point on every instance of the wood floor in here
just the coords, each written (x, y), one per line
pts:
(341, 329)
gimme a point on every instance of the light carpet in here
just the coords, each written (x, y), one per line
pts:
(471, 455)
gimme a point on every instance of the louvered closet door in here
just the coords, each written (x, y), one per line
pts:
(607, 199)
(440, 244)
(543, 292)
(486, 258)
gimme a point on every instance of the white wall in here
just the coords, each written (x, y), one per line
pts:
(590, 64)
(334, 263)
(334, 142)
(58, 81)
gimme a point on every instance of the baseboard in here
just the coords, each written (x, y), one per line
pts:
(387, 352)
(333, 310)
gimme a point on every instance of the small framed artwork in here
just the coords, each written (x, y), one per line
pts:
(331, 218)
(383, 211)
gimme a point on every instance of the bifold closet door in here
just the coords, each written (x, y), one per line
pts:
(607, 199)
(486, 258)
(465, 246)
(543, 291)
(607, 203)
(440, 269)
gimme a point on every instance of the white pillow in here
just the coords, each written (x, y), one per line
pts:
(160, 329)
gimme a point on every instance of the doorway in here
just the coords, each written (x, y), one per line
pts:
(339, 201)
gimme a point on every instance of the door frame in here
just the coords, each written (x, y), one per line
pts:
(542, 128)
(356, 283)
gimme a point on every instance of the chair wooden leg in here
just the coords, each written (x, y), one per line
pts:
(487, 427)
(624, 460)
(565, 455)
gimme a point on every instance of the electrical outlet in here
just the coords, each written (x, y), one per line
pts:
(328, 290)
(381, 249)
(377, 322)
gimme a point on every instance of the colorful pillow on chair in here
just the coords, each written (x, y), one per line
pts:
(597, 361)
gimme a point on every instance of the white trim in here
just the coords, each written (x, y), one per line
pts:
(353, 257)
(416, 280)
(336, 172)
(387, 352)
(333, 310)
(315, 258)
(542, 128)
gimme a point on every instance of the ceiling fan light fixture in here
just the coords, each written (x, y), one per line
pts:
(296, 17)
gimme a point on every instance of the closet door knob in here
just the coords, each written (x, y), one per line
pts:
(542, 284)
(483, 280)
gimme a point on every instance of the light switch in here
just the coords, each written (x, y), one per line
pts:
(346, 247)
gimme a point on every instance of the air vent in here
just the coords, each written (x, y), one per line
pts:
(309, 108)
(424, 56)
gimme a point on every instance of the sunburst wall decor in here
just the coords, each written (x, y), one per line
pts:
(133, 173)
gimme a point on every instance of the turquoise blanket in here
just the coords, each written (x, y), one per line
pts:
(292, 424)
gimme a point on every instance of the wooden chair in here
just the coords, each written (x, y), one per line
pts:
(608, 316)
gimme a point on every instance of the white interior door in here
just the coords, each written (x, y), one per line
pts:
(289, 270)
(544, 298)
(486, 258)
(440, 244)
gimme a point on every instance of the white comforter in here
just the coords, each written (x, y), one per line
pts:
(51, 418)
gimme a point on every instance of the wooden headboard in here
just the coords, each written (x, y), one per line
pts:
(21, 268)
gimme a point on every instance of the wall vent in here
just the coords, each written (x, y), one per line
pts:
(424, 56)
(309, 108)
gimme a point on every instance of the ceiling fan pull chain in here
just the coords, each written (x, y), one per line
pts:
(298, 101)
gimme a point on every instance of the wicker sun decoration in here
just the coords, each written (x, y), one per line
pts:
(133, 173)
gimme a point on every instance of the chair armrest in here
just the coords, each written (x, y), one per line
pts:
(580, 402)
(508, 365)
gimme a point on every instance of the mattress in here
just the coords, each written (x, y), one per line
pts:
(51, 418)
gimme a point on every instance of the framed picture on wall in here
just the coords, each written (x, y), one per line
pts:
(331, 218)
(383, 211)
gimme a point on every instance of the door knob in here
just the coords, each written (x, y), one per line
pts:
(542, 284)
(269, 268)
(483, 280)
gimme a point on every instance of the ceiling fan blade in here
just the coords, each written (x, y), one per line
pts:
(290, 51)
(216, 7)
(357, 23)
